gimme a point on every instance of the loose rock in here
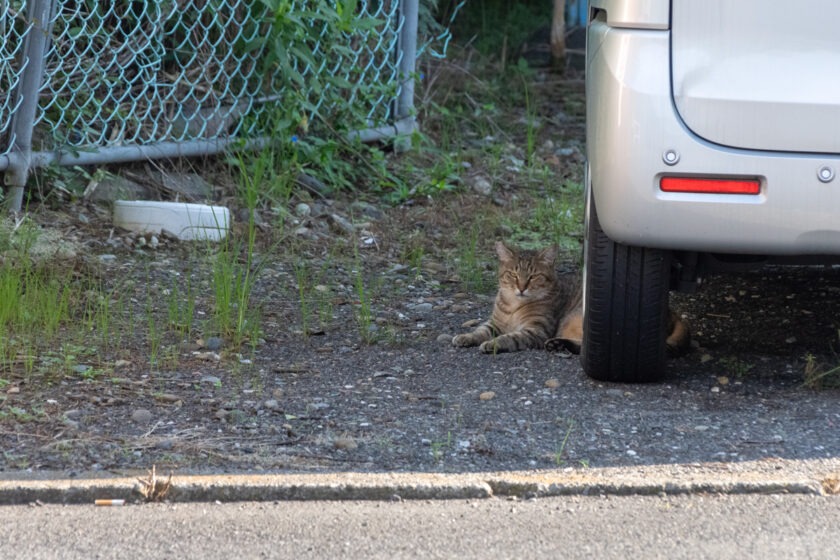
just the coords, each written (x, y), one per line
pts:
(345, 442)
(142, 416)
(340, 225)
(214, 343)
(486, 396)
(303, 210)
(482, 186)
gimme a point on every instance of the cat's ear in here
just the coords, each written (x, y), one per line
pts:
(549, 254)
(504, 253)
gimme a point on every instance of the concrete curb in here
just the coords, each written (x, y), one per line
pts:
(410, 486)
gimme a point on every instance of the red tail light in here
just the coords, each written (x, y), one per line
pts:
(711, 186)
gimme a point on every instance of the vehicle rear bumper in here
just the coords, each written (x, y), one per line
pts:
(632, 122)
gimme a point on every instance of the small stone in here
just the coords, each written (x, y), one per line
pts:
(790, 340)
(209, 356)
(723, 380)
(245, 216)
(631, 452)
(272, 404)
(190, 186)
(107, 258)
(302, 210)
(345, 442)
(311, 183)
(221, 414)
(305, 232)
(121, 363)
(471, 323)
(168, 398)
(552, 383)
(447, 338)
(113, 188)
(422, 307)
(165, 445)
(82, 368)
(340, 225)
(705, 358)
(73, 414)
(141, 416)
(84, 219)
(486, 396)
(482, 186)
(319, 405)
(458, 308)
(565, 152)
(211, 379)
(367, 209)
(214, 343)
(715, 389)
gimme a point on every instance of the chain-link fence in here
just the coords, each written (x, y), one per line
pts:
(86, 81)
(12, 32)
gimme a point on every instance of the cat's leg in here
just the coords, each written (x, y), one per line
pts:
(569, 335)
(678, 340)
(512, 342)
(482, 333)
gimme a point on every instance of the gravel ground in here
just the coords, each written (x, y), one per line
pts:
(404, 399)
(331, 403)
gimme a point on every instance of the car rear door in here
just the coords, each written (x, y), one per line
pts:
(758, 74)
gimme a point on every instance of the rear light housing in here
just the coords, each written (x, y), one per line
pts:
(709, 186)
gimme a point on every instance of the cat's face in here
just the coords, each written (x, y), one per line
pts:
(526, 275)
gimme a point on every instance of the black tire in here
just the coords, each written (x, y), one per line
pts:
(625, 307)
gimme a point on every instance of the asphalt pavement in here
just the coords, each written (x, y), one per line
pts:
(673, 527)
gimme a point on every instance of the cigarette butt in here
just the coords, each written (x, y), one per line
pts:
(110, 502)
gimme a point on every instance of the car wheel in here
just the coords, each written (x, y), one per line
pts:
(625, 306)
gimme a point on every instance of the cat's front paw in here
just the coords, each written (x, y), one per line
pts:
(463, 341)
(492, 347)
(564, 346)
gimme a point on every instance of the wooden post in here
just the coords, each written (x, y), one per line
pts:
(558, 33)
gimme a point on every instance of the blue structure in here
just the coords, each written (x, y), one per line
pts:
(576, 12)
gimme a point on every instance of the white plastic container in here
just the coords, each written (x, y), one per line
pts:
(183, 220)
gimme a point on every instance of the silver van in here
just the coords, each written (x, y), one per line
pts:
(713, 139)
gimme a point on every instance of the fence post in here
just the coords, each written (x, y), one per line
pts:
(39, 29)
(408, 49)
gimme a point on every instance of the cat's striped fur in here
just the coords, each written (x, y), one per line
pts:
(532, 306)
(536, 308)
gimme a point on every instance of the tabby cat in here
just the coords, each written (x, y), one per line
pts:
(536, 308)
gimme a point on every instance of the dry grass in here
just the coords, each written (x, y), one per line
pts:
(155, 490)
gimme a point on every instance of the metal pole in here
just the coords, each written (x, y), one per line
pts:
(39, 29)
(189, 148)
(408, 50)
